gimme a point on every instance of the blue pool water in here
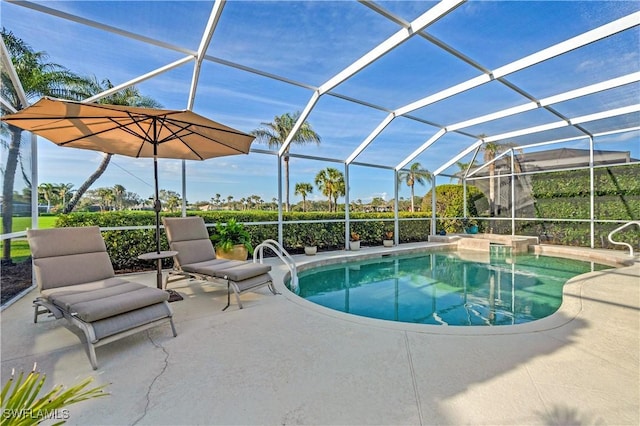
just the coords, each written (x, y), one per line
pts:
(442, 288)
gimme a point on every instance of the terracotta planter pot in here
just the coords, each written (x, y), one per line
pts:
(238, 252)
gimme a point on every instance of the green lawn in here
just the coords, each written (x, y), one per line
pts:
(19, 246)
(19, 249)
(22, 223)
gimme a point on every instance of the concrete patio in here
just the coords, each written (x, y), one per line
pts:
(283, 360)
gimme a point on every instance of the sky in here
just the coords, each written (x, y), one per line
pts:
(308, 42)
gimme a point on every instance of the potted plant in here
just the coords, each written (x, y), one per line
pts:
(354, 242)
(310, 246)
(470, 226)
(232, 241)
(387, 241)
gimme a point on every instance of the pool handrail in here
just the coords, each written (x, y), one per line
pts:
(620, 228)
(258, 254)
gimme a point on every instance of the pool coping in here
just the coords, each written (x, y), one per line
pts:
(569, 309)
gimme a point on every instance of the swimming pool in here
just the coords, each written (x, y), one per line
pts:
(444, 289)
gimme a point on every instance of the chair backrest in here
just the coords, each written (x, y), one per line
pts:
(69, 256)
(189, 237)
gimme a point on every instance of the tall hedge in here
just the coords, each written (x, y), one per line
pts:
(328, 232)
(566, 195)
(450, 204)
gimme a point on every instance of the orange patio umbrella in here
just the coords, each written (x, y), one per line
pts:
(131, 131)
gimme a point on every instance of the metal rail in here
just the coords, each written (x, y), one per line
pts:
(258, 254)
(620, 228)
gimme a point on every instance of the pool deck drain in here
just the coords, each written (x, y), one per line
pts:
(283, 360)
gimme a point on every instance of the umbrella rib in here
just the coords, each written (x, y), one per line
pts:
(185, 127)
(118, 125)
(173, 135)
(144, 132)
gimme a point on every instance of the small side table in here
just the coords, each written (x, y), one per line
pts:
(158, 258)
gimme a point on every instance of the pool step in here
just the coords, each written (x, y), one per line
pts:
(500, 250)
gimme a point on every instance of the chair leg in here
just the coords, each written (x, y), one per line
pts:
(172, 274)
(237, 293)
(173, 327)
(92, 355)
(231, 285)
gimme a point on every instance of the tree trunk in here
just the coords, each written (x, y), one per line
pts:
(412, 202)
(286, 182)
(87, 184)
(7, 190)
(492, 190)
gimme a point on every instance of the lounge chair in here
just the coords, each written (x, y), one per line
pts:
(196, 258)
(76, 281)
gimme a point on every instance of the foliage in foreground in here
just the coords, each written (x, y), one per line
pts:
(20, 406)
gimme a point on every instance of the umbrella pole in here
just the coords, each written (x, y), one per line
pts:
(157, 207)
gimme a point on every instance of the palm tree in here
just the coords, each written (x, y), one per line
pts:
(415, 174)
(330, 182)
(303, 189)
(105, 197)
(463, 167)
(131, 97)
(47, 190)
(275, 133)
(491, 149)
(118, 192)
(63, 190)
(39, 78)
(216, 200)
(173, 202)
(340, 188)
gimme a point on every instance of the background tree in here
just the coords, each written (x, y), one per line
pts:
(378, 203)
(462, 169)
(275, 133)
(490, 150)
(303, 189)
(64, 189)
(215, 201)
(330, 182)
(118, 193)
(105, 198)
(47, 190)
(131, 199)
(415, 174)
(131, 97)
(173, 202)
(170, 199)
(38, 78)
(340, 190)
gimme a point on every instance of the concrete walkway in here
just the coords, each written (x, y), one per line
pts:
(282, 360)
